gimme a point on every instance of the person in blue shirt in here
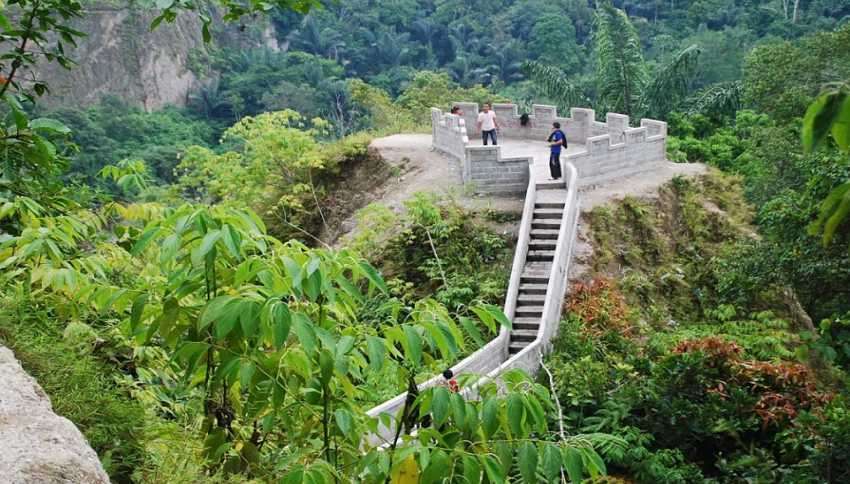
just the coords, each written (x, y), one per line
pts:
(557, 140)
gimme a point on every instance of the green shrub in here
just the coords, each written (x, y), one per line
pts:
(81, 387)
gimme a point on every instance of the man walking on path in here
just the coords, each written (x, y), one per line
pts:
(556, 140)
(487, 124)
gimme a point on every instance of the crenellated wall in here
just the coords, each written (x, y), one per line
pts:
(610, 150)
(484, 167)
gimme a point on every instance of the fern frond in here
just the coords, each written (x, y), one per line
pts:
(554, 84)
(721, 99)
(671, 83)
(620, 69)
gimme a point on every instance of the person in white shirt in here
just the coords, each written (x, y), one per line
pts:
(488, 124)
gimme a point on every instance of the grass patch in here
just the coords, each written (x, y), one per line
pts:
(81, 387)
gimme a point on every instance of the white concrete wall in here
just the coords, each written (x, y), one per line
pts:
(492, 359)
(613, 149)
(448, 133)
(528, 359)
(488, 172)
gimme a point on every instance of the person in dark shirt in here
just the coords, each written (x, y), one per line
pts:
(556, 140)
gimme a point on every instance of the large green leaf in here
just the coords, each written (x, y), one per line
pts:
(344, 421)
(528, 462)
(841, 125)
(490, 416)
(281, 320)
(819, 118)
(414, 344)
(437, 468)
(219, 309)
(471, 469)
(207, 245)
(573, 464)
(833, 211)
(376, 351)
(516, 415)
(145, 239)
(551, 462)
(305, 331)
(374, 277)
(49, 125)
(440, 405)
(493, 469)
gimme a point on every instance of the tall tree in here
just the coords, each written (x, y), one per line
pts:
(620, 69)
(624, 83)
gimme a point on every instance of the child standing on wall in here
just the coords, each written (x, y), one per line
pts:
(556, 140)
(487, 124)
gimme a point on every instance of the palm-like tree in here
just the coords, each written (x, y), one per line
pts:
(620, 70)
(507, 66)
(623, 81)
(325, 43)
(208, 99)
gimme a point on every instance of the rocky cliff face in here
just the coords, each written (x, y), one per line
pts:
(121, 56)
(39, 446)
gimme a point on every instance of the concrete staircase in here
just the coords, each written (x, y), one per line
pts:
(534, 281)
(534, 297)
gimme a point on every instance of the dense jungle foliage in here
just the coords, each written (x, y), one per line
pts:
(165, 280)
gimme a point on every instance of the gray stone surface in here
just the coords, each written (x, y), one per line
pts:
(36, 445)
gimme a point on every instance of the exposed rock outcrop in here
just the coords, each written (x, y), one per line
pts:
(122, 56)
(37, 445)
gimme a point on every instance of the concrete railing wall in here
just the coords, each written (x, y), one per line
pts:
(488, 172)
(620, 152)
(449, 133)
(611, 149)
(483, 167)
(528, 358)
(493, 358)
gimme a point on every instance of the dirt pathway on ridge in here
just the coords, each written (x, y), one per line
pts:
(418, 168)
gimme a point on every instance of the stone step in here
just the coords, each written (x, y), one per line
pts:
(527, 335)
(526, 323)
(541, 204)
(547, 224)
(550, 185)
(547, 234)
(545, 244)
(541, 213)
(533, 288)
(530, 299)
(540, 255)
(528, 312)
(515, 347)
(534, 278)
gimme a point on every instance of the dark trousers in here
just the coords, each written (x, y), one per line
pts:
(491, 134)
(555, 164)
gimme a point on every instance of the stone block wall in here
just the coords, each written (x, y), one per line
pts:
(613, 149)
(621, 150)
(488, 172)
(448, 133)
(580, 125)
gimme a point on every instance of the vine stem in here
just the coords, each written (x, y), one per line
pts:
(437, 257)
(21, 49)
(561, 430)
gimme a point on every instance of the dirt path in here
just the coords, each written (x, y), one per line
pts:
(418, 168)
